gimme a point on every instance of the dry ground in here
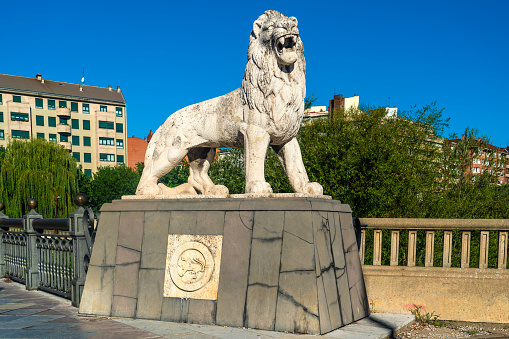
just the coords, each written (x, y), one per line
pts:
(456, 329)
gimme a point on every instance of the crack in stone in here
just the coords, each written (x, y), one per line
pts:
(298, 271)
(261, 285)
(309, 242)
(269, 239)
(293, 301)
(243, 223)
(326, 269)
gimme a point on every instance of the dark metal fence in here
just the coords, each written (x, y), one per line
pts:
(33, 254)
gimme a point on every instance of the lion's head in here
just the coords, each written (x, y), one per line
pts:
(275, 61)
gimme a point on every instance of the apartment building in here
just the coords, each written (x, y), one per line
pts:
(88, 121)
(489, 158)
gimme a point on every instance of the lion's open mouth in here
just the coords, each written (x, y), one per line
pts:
(285, 48)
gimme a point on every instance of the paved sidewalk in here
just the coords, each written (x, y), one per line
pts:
(36, 314)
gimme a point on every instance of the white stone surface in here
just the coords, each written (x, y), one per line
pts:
(233, 196)
(265, 111)
(192, 266)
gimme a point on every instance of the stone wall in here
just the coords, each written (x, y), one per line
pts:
(286, 264)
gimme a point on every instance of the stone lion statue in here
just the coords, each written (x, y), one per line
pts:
(266, 111)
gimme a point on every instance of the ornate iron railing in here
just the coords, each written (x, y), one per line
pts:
(32, 253)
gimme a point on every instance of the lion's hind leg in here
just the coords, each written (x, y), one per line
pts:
(200, 159)
(158, 162)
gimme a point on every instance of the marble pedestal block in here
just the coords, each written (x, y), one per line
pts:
(284, 264)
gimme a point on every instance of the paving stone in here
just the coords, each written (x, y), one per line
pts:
(261, 307)
(202, 312)
(297, 254)
(24, 311)
(299, 224)
(127, 256)
(175, 309)
(233, 280)
(126, 280)
(150, 294)
(155, 240)
(297, 303)
(123, 307)
(202, 223)
(98, 291)
(105, 245)
(130, 230)
(27, 321)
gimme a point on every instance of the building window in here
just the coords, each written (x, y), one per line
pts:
(120, 128)
(86, 108)
(16, 116)
(104, 108)
(87, 157)
(52, 121)
(1, 102)
(120, 143)
(62, 104)
(20, 134)
(2, 137)
(106, 141)
(120, 159)
(38, 103)
(63, 121)
(16, 98)
(40, 135)
(88, 172)
(39, 120)
(475, 170)
(1, 116)
(75, 124)
(119, 111)
(86, 125)
(52, 137)
(76, 155)
(86, 141)
(74, 107)
(64, 138)
(106, 157)
(106, 124)
(75, 140)
(51, 104)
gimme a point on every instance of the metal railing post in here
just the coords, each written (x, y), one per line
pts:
(32, 274)
(78, 225)
(2, 245)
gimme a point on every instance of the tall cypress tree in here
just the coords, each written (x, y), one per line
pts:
(37, 169)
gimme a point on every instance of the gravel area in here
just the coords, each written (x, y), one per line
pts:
(456, 330)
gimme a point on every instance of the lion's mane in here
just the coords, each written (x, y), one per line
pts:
(269, 88)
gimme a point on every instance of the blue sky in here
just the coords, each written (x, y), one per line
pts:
(166, 55)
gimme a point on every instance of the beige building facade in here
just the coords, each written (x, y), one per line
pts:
(88, 121)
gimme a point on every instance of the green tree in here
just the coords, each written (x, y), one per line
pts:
(37, 169)
(110, 183)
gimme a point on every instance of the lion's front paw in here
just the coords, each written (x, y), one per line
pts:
(314, 188)
(257, 187)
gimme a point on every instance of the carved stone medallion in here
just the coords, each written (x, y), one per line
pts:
(192, 266)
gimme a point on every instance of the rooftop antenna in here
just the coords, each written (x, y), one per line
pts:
(83, 78)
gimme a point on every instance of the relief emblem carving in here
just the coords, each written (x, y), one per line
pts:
(192, 266)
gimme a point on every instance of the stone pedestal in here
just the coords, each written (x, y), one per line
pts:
(285, 264)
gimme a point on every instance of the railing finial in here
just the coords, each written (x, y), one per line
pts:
(80, 199)
(32, 203)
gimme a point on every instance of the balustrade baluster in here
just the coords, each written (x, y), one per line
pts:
(430, 247)
(377, 248)
(394, 248)
(412, 247)
(446, 259)
(465, 249)
(502, 249)
(362, 247)
(483, 249)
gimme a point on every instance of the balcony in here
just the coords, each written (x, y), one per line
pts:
(64, 112)
(64, 129)
(67, 145)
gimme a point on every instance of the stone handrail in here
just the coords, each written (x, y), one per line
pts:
(432, 225)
